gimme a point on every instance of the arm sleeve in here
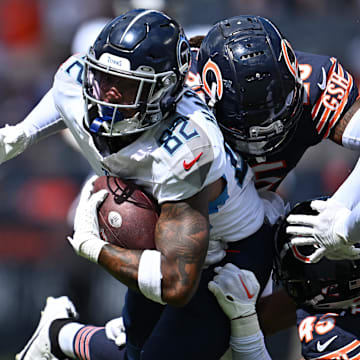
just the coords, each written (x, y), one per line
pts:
(348, 193)
(249, 348)
(43, 120)
(351, 135)
(352, 226)
(247, 339)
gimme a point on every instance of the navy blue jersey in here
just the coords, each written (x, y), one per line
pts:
(333, 335)
(329, 92)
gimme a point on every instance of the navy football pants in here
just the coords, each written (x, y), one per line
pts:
(199, 330)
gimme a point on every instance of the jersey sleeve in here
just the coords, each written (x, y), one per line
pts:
(70, 75)
(190, 158)
(67, 90)
(335, 91)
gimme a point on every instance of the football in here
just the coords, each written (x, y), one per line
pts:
(128, 215)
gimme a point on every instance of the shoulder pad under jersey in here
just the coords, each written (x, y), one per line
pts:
(72, 69)
(191, 150)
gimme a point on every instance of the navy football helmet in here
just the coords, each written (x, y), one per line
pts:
(252, 77)
(134, 72)
(328, 284)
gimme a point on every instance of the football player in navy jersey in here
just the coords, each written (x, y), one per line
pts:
(273, 103)
(326, 294)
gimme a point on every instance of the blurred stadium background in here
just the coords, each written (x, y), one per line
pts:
(38, 188)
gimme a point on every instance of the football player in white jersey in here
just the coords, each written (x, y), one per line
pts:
(126, 106)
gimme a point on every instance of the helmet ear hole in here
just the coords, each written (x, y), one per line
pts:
(184, 56)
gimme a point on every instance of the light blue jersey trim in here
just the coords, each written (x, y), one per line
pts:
(219, 201)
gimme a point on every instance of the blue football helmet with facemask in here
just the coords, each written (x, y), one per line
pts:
(251, 75)
(134, 72)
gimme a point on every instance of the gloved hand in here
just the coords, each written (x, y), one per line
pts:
(236, 291)
(325, 231)
(347, 252)
(115, 330)
(86, 240)
(13, 141)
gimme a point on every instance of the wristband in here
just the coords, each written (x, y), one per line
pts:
(149, 275)
(91, 249)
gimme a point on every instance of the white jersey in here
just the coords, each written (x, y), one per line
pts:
(173, 160)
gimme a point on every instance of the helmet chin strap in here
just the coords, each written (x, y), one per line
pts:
(170, 102)
(109, 115)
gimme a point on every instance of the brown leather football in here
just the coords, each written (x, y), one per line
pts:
(128, 215)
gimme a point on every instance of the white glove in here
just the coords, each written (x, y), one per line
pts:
(86, 240)
(236, 291)
(115, 331)
(324, 230)
(13, 141)
(347, 252)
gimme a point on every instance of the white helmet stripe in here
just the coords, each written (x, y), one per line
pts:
(136, 18)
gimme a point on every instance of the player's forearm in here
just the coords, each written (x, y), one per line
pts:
(350, 229)
(348, 193)
(231, 287)
(249, 347)
(122, 264)
(276, 312)
(158, 282)
(347, 130)
(170, 278)
(42, 121)
(182, 237)
(170, 273)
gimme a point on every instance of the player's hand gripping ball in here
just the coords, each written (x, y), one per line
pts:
(128, 215)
